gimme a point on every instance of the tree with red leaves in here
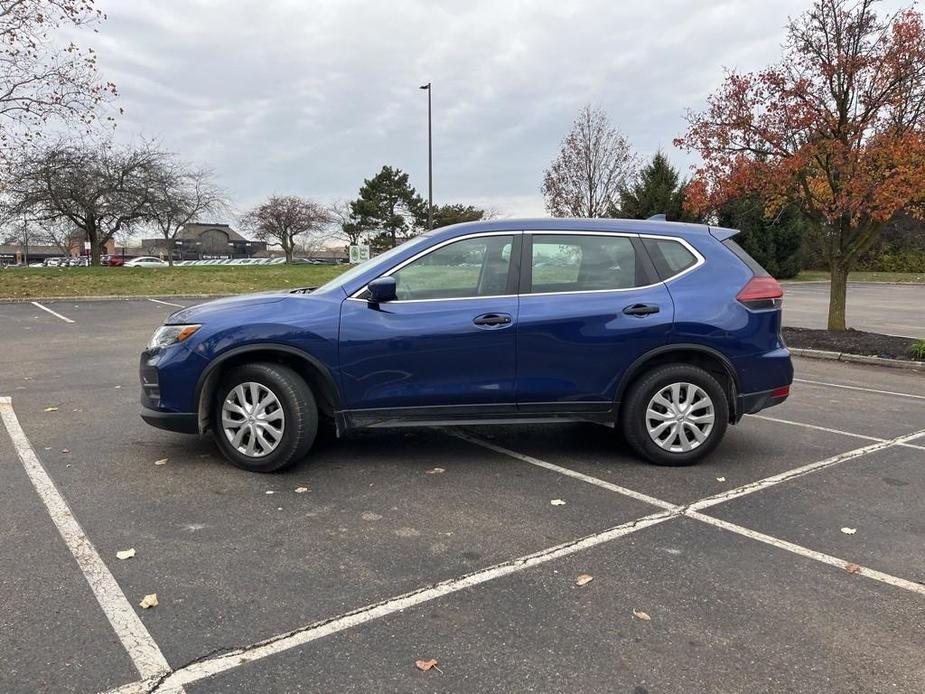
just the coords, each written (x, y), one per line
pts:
(836, 129)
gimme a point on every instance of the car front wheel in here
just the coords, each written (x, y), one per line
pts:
(264, 417)
(675, 415)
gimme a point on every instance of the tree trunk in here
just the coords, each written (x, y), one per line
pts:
(93, 236)
(838, 293)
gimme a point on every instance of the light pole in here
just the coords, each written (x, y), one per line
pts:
(430, 163)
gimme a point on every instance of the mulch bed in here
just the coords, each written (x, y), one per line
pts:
(850, 342)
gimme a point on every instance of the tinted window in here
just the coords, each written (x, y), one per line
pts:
(669, 257)
(740, 253)
(473, 267)
(571, 262)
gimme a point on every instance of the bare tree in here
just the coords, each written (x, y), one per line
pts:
(286, 221)
(99, 188)
(61, 234)
(343, 223)
(595, 161)
(179, 196)
(43, 78)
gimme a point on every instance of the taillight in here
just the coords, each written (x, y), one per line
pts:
(761, 292)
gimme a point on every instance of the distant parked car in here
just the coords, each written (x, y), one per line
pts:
(112, 260)
(146, 261)
(55, 262)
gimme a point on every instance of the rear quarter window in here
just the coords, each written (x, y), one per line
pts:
(740, 253)
(669, 257)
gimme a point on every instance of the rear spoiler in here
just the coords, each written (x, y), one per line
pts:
(722, 233)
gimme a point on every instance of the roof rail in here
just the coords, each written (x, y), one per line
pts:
(656, 218)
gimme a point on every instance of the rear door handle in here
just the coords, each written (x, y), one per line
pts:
(641, 309)
(493, 320)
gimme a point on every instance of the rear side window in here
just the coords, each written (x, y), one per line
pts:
(740, 253)
(579, 263)
(669, 257)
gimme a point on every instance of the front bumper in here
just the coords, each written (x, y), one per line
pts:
(179, 422)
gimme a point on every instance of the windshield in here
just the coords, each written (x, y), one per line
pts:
(358, 270)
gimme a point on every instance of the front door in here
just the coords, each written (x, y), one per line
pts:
(447, 341)
(590, 305)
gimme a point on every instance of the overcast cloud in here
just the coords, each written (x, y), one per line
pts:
(311, 97)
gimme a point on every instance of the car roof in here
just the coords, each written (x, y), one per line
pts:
(634, 226)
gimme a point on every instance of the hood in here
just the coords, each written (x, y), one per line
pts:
(202, 312)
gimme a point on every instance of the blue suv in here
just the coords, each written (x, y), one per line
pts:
(668, 331)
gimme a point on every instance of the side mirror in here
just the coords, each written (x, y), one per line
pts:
(382, 289)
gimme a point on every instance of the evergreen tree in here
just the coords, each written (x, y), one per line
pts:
(658, 190)
(775, 242)
(445, 215)
(388, 210)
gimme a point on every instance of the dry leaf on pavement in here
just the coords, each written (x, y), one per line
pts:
(852, 568)
(425, 665)
(639, 614)
(720, 479)
(849, 531)
(162, 461)
(583, 579)
(301, 490)
(51, 408)
(557, 502)
(149, 600)
(125, 553)
(435, 471)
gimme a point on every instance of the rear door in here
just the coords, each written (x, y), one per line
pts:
(590, 305)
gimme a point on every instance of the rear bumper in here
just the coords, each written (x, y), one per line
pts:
(750, 403)
(180, 422)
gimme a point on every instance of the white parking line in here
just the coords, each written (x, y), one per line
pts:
(810, 553)
(639, 496)
(166, 303)
(54, 313)
(866, 390)
(227, 661)
(830, 430)
(141, 648)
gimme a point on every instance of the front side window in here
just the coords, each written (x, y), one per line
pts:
(469, 268)
(577, 263)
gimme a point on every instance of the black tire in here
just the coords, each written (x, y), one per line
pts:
(300, 416)
(633, 413)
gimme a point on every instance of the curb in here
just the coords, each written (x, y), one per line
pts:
(857, 359)
(121, 297)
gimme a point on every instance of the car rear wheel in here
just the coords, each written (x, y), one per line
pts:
(264, 417)
(675, 415)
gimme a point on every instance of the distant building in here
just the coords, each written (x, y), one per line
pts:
(205, 242)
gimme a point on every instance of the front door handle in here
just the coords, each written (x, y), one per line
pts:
(493, 320)
(641, 309)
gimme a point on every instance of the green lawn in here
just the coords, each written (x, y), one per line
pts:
(815, 275)
(35, 283)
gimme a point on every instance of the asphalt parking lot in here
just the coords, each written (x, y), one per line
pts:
(893, 309)
(792, 560)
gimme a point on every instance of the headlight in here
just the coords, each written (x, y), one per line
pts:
(167, 335)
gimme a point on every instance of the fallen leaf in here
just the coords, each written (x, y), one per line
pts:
(149, 600)
(583, 579)
(162, 461)
(435, 471)
(849, 531)
(117, 387)
(720, 479)
(639, 614)
(852, 568)
(65, 450)
(301, 490)
(557, 502)
(51, 408)
(425, 665)
(270, 491)
(125, 553)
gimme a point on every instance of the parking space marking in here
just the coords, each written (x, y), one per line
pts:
(166, 303)
(262, 649)
(866, 390)
(830, 430)
(141, 647)
(639, 496)
(773, 480)
(54, 313)
(809, 553)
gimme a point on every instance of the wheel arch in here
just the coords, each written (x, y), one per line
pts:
(707, 358)
(315, 374)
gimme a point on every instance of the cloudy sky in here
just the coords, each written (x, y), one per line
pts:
(310, 97)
